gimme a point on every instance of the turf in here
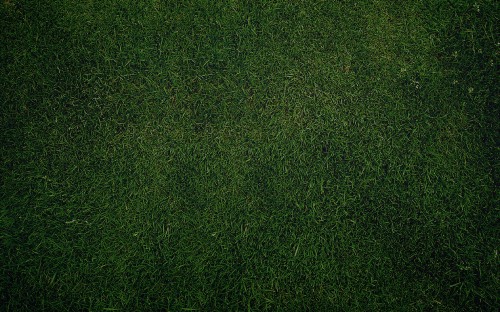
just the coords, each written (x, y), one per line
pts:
(249, 155)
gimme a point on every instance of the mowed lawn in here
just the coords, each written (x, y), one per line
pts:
(244, 155)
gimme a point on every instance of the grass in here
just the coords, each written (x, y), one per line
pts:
(235, 155)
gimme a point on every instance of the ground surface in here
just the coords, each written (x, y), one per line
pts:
(249, 155)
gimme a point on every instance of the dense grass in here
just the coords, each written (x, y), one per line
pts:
(249, 155)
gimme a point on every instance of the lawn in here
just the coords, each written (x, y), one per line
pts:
(243, 155)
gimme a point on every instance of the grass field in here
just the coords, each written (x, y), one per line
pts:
(248, 155)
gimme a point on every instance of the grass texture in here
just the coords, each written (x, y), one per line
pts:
(246, 155)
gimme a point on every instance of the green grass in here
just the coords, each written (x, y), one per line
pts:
(249, 155)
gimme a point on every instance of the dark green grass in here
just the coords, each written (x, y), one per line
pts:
(249, 155)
